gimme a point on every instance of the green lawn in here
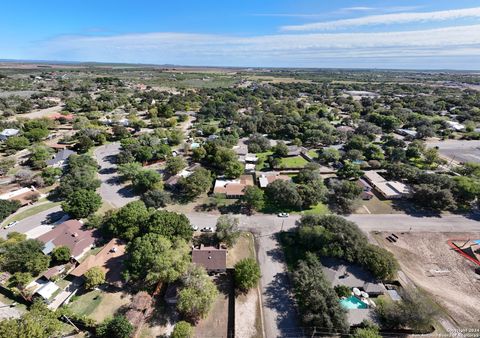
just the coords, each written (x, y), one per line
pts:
(86, 303)
(313, 153)
(262, 160)
(319, 209)
(293, 162)
(32, 211)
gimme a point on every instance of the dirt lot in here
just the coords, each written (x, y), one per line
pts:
(456, 291)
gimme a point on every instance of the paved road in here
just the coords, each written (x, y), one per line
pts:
(269, 224)
(32, 226)
(112, 189)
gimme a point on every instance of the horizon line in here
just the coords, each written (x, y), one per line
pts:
(140, 64)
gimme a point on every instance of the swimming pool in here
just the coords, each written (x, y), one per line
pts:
(352, 302)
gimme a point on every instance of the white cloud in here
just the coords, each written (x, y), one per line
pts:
(286, 49)
(386, 19)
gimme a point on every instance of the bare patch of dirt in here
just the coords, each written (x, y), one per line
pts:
(247, 315)
(432, 265)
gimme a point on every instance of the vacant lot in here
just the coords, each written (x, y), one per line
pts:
(243, 248)
(449, 278)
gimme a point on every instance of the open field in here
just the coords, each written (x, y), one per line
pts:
(447, 277)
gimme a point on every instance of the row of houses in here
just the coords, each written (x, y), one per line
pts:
(235, 188)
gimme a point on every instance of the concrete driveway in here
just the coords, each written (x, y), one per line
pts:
(112, 190)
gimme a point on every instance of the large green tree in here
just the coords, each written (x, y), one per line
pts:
(82, 203)
(247, 274)
(170, 225)
(24, 256)
(227, 230)
(199, 182)
(197, 295)
(116, 327)
(94, 277)
(154, 258)
(128, 221)
(254, 198)
(284, 194)
(318, 303)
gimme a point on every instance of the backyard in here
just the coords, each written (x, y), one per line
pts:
(99, 304)
(294, 162)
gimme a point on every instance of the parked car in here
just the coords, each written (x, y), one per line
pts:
(207, 229)
(11, 224)
(194, 228)
(283, 214)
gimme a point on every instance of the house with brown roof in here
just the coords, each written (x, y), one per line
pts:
(110, 259)
(72, 235)
(213, 259)
(233, 188)
(16, 193)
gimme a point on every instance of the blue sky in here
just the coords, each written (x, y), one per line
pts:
(435, 34)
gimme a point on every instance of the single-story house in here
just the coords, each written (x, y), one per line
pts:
(266, 178)
(233, 188)
(213, 259)
(23, 195)
(388, 189)
(60, 158)
(6, 133)
(72, 235)
(47, 291)
(110, 259)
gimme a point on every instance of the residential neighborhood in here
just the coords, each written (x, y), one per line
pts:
(151, 201)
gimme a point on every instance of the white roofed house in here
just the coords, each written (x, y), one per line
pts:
(388, 189)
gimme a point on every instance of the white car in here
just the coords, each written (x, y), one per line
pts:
(207, 229)
(194, 228)
(283, 214)
(11, 224)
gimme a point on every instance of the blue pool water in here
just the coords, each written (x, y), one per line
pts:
(352, 302)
